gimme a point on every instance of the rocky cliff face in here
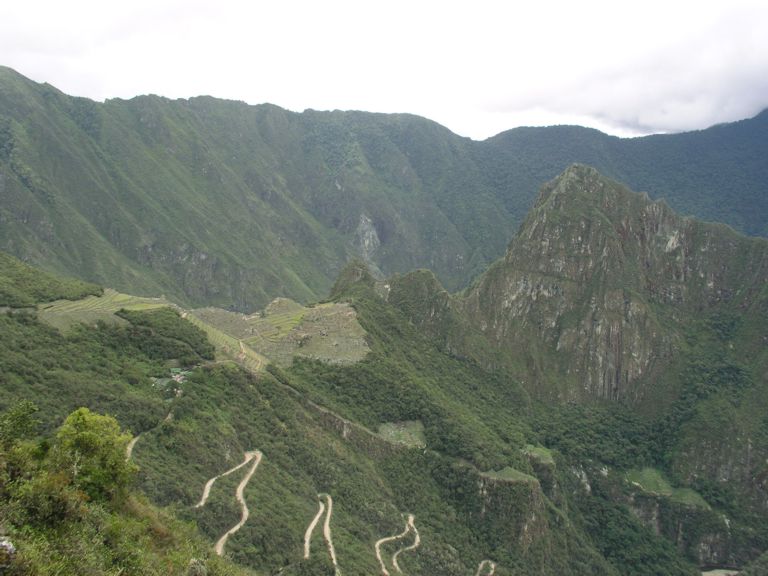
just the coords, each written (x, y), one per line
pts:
(593, 288)
(700, 534)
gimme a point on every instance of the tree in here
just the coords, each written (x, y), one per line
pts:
(17, 422)
(91, 451)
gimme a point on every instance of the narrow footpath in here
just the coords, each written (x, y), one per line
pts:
(327, 536)
(416, 543)
(256, 457)
(483, 564)
(381, 542)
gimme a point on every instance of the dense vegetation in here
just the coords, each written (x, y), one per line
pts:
(168, 336)
(467, 413)
(21, 285)
(477, 427)
(67, 504)
(706, 173)
(405, 365)
(219, 203)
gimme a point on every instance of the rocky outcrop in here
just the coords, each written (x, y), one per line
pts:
(593, 287)
(513, 511)
(700, 534)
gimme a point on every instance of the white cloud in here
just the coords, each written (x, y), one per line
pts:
(478, 68)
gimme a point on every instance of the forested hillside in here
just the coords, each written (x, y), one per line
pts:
(711, 174)
(222, 203)
(448, 446)
(608, 301)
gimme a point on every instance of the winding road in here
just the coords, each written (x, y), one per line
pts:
(208, 485)
(311, 527)
(403, 534)
(326, 530)
(254, 456)
(219, 548)
(327, 533)
(132, 443)
(416, 542)
(483, 564)
(129, 448)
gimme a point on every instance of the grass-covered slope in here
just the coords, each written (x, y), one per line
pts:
(408, 430)
(216, 202)
(199, 426)
(607, 297)
(67, 495)
(484, 415)
(22, 285)
(220, 203)
(67, 505)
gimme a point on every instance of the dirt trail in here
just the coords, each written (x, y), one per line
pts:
(326, 530)
(327, 533)
(208, 485)
(311, 528)
(256, 457)
(416, 543)
(482, 565)
(383, 541)
(131, 444)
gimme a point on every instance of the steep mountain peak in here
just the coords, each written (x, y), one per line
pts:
(599, 279)
(581, 187)
(584, 224)
(355, 273)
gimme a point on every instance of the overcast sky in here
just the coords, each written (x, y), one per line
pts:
(477, 67)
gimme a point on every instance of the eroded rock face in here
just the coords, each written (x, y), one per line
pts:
(702, 535)
(513, 508)
(591, 288)
(366, 238)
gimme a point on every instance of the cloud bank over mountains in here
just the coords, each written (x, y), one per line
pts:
(477, 68)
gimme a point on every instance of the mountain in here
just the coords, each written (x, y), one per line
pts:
(606, 295)
(21, 285)
(710, 174)
(456, 437)
(607, 298)
(216, 202)
(376, 467)
(610, 280)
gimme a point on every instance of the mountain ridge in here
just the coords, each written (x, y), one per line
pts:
(469, 440)
(131, 193)
(593, 255)
(605, 297)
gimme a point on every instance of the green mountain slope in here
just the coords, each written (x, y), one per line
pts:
(220, 203)
(605, 298)
(610, 281)
(21, 285)
(711, 174)
(408, 430)
(599, 295)
(432, 422)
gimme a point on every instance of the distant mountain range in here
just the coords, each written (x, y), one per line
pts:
(218, 202)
